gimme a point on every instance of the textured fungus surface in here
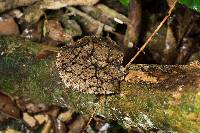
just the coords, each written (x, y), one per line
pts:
(91, 65)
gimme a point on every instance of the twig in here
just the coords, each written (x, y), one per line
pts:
(153, 34)
(92, 116)
(90, 19)
(94, 112)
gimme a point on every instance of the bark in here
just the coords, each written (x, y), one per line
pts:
(155, 96)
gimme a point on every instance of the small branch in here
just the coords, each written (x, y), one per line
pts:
(101, 98)
(153, 34)
(90, 21)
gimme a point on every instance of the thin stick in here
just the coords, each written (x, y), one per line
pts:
(93, 114)
(153, 34)
(90, 19)
(91, 117)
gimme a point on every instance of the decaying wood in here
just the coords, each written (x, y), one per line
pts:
(120, 18)
(155, 96)
(33, 13)
(11, 4)
(90, 24)
(105, 14)
(57, 4)
(44, 4)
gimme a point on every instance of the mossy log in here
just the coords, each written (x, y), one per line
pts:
(151, 96)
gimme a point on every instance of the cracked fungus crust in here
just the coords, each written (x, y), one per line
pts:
(91, 65)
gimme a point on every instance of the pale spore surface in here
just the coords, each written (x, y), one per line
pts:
(91, 65)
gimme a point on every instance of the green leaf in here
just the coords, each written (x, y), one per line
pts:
(193, 4)
(124, 2)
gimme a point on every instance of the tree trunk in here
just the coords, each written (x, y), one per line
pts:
(155, 96)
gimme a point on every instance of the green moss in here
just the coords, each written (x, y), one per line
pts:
(135, 106)
(6, 85)
(25, 75)
(184, 116)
